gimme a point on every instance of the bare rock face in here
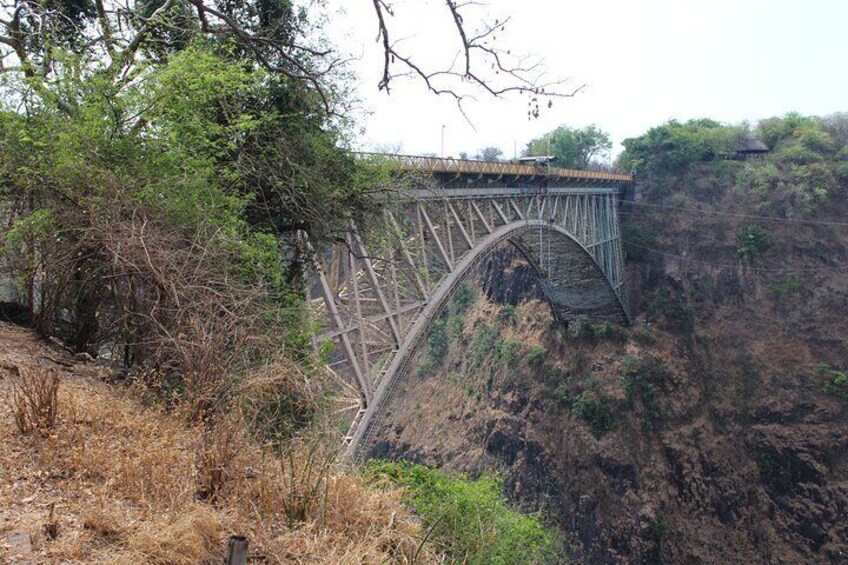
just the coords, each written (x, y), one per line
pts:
(658, 444)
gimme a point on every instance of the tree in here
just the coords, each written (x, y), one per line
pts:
(773, 131)
(160, 157)
(489, 154)
(41, 42)
(572, 148)
(672, 147)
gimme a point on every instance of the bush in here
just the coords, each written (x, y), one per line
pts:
(638, 240)
(437, 346)
(463, 297)
(753, 241)
(537, 355)
(470, 520)
(674, 146)
(671, 306)
(508, 314)
(790, 284)
(35, 398)
(508, 351)
(580, 328)
(485, 342)
(592, 406)
(760, 178)
(834, 382)
(607, 331)
(645, 378)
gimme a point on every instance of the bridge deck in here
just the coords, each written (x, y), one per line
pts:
(449, 171)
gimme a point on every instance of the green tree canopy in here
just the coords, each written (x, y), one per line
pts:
(673, 146)
(489, 154)
(572, 148)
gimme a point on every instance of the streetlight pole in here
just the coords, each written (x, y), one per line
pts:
(443, 141)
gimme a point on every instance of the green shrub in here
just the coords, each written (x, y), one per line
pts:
(670, 306)
(657, 529)
(580, 328)
(508, 351)
(537, 355)
(768, 465)
(463, 297)
(455, 324)
(485, 341)
(790, 284)
(638, 240)
(642, 336)
(508, 314)
(834, 382)
(753, 241)
(760, 178)
(470, 519)
(607, 332)
(798, 155)
(579, 361)
(437, 346)
(816, 140)
(646, 378)
(593, 406)
(555, 375)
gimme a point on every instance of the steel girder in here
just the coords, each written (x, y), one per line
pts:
(375, 294)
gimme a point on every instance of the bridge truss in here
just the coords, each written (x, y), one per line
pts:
(376, 293)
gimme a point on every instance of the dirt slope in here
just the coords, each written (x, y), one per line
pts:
(116, 481)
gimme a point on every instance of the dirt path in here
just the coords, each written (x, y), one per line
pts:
(29, 494)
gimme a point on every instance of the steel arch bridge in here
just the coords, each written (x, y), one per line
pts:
(376, 294)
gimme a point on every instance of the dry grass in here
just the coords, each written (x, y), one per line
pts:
(134, 485)
(34, 397)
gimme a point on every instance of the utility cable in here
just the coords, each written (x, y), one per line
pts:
(746, 216)
(734, 266)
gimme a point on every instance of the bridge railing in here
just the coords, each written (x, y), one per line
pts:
(493, 168)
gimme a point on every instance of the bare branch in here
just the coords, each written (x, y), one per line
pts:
(477, 54)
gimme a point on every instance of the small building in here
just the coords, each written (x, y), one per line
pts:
(748, 148)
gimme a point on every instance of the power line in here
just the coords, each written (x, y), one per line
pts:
(746, 216)
(732, 265)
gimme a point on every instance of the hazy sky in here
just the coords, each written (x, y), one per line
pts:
(643, 62)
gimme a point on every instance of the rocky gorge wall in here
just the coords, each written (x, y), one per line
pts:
(701, 434)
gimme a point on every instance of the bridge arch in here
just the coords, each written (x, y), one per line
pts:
(374, 294)
(573, 281)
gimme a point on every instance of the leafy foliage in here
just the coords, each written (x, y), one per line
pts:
(572, 148)
(752, 241)
(489, 154)
(672, 147)
(594, 407)
(672, 309)
(437, 346)
(790, 284)
(580, 328)
(537, 354)
(645, 378)
(149, 224)
(469, 519)
(834, 382)
(638, 240)
(805, 169)
(447, 327)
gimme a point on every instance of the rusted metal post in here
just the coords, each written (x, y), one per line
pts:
(237, 551)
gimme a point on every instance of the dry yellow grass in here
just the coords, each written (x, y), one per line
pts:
(131, 484)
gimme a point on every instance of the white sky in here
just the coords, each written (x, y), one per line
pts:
(643, 62)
